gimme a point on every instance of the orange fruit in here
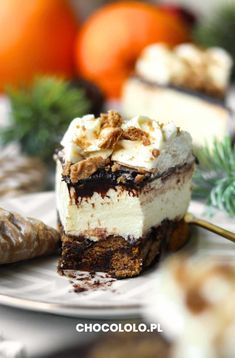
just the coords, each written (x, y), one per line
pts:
(113, 37)
(36, 36)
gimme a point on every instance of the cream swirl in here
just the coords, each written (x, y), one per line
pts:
(149, 156)
(84, 138)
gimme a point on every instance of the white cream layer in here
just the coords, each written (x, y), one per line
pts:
(120, 212)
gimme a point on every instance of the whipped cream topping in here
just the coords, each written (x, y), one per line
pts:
(195, 303)
(84, 138)
(186, 65)
(140, 142)
(167, 145)
(159, 63)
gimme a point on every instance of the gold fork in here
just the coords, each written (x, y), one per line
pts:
(191, 219)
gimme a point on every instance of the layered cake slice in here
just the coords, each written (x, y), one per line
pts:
(122, 189)
(185, 84)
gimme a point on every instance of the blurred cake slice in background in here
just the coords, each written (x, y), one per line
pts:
(194, 301)
(186, 84)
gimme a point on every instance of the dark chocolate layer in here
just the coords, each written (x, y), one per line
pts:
(104, 179)
(119, 257)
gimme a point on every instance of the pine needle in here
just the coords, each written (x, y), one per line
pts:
(214, 179)
(40, 115)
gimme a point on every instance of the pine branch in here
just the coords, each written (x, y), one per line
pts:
(41, 114)
(214, 179)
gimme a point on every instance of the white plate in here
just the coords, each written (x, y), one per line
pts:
(35, 285)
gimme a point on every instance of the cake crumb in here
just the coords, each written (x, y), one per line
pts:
(66, 169)
(155, 152)
(133, 133)
(115, 167)
(139, 178)
(82, 281)
(82, 142)
(142, 171)
(85, 168)
(112, 139)
(111, 119)
(121, 179)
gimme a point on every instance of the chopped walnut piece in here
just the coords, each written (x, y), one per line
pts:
(85, 168)
(112, 139)
(139, 178)
(133, 133)
(66, 169)
(155, 152)
(111, 119)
